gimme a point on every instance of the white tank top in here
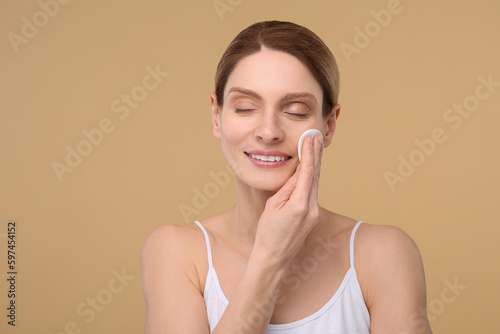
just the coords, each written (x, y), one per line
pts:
(344, 313)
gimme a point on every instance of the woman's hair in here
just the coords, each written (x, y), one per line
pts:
(287, 37)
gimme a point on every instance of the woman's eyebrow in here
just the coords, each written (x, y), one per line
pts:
(287, 97)
(245, 92)
(293, 96)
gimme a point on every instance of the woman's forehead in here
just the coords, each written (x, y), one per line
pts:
(271, 73)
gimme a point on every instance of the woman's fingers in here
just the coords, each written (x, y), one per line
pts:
(290, 214)
(318, 152)
(306, 173)
(283, 195)
(302, 186)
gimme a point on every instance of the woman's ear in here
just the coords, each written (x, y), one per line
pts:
(331, 124)
(215, 115)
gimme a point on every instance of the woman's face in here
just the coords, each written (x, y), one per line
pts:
(270, 99)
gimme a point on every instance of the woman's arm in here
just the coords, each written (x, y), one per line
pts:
(175, 305)
(392, 278)
(252, 305)
(287, 219)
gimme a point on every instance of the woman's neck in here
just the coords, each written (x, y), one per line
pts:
(245, 215)
(242, 220)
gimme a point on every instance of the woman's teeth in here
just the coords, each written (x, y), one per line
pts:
(268, 157)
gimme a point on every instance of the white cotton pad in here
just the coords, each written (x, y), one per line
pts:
(309, 133)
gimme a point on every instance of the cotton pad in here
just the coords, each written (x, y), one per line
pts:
(309, 133)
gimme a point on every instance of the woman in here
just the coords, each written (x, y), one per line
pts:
(277, 262)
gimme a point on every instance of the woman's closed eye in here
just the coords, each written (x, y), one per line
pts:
(297, 110)
(298, 115)
(242, 107)
(243, 110)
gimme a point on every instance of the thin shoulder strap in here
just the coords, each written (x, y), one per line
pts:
(351, 247)
(207, 239)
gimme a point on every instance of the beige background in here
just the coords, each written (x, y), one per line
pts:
(74, 234)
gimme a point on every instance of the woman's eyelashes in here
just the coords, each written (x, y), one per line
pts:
(298, 115)
(299, 110)
(243, 110)
(244, 107)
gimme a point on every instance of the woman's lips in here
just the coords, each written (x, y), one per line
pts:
(268, 159)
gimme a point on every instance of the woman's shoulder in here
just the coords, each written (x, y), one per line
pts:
(171, 236)
(170, 277)
(386, 258)
(183, 240)
(371, 235)
(173, 247)
(384, 247)
(173, 242)
(380, 241)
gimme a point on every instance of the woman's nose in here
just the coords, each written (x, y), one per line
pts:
(270, 129)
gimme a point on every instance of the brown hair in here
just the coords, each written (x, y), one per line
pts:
(287, 37)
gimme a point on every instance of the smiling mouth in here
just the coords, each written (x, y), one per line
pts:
(268, 157)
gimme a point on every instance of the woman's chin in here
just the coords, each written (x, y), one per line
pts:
(266, 184)
(271, 181)
(270, 188)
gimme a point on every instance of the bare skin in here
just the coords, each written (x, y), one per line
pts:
(302, 291)
(259, 246)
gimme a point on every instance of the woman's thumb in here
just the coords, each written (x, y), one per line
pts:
(283, 195)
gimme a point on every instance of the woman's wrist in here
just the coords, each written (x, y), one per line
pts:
(267, 266)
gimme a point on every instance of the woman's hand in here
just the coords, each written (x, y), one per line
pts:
(293, 211)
